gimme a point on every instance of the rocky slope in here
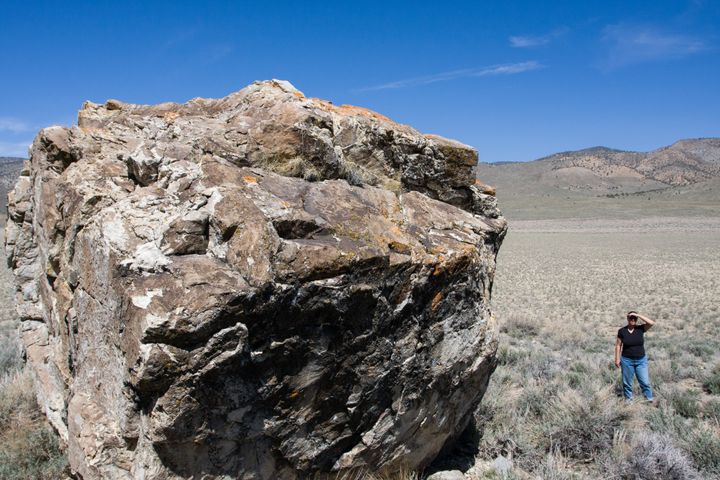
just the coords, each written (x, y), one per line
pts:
(263, 286)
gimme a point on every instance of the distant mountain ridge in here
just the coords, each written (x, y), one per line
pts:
(683, 163)
(7, 160)
(686, 171)
(590, 150)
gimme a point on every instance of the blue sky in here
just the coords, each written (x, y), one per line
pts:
(515, 79)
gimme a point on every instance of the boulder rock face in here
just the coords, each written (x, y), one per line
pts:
(263, 286)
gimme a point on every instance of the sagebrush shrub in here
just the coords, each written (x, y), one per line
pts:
(521, 325)
(703, 444)
(685, 402)
(711, 411)
(652, 456)
(581, 426)
(711, 382)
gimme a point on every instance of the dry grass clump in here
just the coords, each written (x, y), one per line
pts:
(581, 424)
(555, 467)
(522, 325)
(401, 474)
(29, 449)
(711, 411)
(698, 438)
(650, 456)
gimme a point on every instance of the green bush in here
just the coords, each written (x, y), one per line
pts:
(534, 400)
(711, 411)
(712, 381)
(510, 355)
(664, 420)
(685, 402)
(574, 379)
(703, 444)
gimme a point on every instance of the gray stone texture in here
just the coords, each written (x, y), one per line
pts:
(263, 286)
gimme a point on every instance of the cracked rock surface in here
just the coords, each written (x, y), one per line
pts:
(263, 286)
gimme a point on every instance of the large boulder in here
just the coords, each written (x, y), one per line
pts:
(263, 286)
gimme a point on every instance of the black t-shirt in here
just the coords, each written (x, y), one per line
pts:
(633, 343)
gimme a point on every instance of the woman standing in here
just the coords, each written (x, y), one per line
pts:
(630, 355)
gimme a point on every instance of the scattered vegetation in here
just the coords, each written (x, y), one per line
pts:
(554, 405)
(29, 449)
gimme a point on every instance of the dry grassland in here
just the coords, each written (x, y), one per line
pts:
(562, 289)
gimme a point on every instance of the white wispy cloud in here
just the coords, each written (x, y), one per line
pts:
(8, 124)
(527, 41)
(218, 52)
(629, 44)
(502, 69)
(14, 149)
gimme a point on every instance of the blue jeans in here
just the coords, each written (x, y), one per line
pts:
(635, 367)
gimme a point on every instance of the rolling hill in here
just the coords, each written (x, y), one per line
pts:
(679, 180)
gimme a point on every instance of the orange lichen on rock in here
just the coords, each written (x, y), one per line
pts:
(436, 301)
(485, 188)
(357, 111)
(170, 116)
(435, 249)
(439, 261)
(400, 247)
